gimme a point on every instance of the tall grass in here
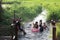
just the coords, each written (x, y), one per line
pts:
(58, 30)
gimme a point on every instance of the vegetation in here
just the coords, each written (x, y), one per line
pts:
(54, 12)
(58, 30)
(31, 8)
(28, 9)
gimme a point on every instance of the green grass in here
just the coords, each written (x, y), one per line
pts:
(29, 3)
(35, 0)
(58, 30)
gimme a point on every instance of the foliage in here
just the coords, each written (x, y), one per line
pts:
(53, 15)
(26, 13)
(54, 12)
(28, 9)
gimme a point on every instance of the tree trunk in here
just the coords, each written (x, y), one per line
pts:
(1, 11)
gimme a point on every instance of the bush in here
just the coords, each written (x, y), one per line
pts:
(24, 12)
(55, 16)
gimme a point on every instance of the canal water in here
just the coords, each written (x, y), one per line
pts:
(45, 35)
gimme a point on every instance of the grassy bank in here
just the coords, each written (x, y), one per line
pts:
(58, 30)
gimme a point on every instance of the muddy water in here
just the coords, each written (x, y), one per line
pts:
(36, 35)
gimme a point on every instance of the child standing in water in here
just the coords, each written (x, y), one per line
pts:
(18, 24)
(35, 27)
(41, 27)
(44, 26)
(40, 23)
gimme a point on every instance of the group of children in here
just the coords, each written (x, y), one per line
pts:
(40, 27)
(36, 27)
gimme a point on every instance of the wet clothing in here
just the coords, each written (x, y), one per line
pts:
(35, 26)
(41, 29)
(40, 25)
(44, 27)
(18, 24)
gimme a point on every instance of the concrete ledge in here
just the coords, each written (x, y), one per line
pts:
(5, 37)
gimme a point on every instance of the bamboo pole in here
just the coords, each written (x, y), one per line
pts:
(54, 29)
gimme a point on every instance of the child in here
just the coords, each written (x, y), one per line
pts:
(35, 27)
(40, 25)
(18, 24)
(44, 26)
